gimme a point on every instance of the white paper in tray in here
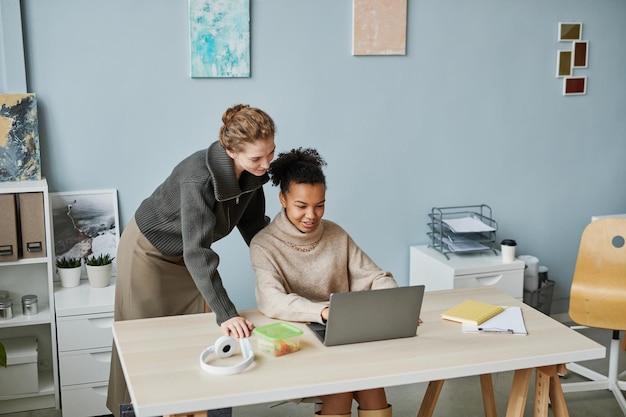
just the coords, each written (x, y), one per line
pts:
(467, 225)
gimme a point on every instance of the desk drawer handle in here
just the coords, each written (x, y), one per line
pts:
(101, 357)
(103, 323)
(490, 280)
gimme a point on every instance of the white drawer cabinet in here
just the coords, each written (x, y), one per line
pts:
(85, 399)
(431, 268)
(84, 328)
(85, 331)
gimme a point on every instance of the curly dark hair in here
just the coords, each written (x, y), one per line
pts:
(300, 166)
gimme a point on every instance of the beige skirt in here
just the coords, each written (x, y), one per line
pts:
(148, 284)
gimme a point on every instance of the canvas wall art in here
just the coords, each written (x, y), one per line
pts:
(219, 33)
(19, 138)
(379, 27)
(85, 223)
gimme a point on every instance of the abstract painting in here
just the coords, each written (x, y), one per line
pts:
(379, 27)
(85, 223)
(19, 138)
(219, 32)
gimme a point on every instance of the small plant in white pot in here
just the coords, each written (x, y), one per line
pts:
(69, 270)
(99, 270)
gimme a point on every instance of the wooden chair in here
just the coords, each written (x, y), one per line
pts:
(598, 299)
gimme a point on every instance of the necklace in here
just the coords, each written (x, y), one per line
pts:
(301, 248)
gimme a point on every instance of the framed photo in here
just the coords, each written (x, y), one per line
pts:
(581, 53)
(85, 223)
(571, 31)
(574, 86)
(564, 63)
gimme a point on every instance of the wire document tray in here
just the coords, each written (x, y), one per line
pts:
(462, 229)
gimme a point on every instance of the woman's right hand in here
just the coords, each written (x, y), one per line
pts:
(324, 314)
(237, 327)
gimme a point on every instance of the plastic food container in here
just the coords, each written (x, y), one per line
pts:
(278, 339)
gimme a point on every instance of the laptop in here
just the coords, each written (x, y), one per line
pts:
(366, 316)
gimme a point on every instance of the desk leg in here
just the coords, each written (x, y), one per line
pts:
(547, 380)
(430, 398)
(542, 392)
(519, 393)
(489, 401)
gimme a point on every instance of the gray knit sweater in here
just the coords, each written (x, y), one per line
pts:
(295, 275)
(198, 204)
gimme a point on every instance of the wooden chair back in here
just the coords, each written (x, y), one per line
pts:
(598, 292)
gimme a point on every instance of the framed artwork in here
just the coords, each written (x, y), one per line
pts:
(570, 31)
(219, 32)
(564, 63)
(574, 86)
(85, 223)
(581, 52)
(570, 61)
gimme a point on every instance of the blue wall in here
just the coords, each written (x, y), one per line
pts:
(472, 114)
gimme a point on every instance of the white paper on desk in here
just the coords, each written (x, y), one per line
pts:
(510, 318)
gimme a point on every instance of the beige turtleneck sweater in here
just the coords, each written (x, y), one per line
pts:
(296, 272)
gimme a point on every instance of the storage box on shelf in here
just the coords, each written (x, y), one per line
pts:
(84, 324)
(29, 273)
(439, 271)
(20, 376)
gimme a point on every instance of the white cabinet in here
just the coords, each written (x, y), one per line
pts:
(84, 325)
(431, 268)
(32, 274)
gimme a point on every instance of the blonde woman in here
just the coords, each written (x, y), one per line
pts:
(166, 264)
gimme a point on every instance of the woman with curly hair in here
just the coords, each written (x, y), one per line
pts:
(300, 259)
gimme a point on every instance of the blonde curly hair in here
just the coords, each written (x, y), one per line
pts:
(244, 124)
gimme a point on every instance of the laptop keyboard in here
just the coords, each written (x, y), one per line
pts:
(318, 329)
(321, 333)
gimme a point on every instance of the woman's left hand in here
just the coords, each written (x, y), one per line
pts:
(237, 327)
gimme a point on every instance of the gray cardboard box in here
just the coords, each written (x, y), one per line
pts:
(20, 375)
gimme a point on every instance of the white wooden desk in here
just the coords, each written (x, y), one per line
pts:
(160, 360)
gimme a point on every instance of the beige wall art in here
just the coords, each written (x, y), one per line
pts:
(379, 27)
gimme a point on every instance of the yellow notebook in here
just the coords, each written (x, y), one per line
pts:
(472, 312)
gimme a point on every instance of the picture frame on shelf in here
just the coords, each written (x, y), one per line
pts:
(85, 223)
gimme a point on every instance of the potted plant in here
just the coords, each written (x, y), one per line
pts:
(99, 270)
(69, 270)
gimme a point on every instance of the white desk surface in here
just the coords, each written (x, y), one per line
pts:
(160, 357)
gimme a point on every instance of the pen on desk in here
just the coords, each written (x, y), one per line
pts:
(488, 330)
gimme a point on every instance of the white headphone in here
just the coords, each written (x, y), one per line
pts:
(224, 347)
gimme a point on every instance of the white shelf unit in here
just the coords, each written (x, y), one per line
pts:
(432, 269)
(33, 276)
(85, 336)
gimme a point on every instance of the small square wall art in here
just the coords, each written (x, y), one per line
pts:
(19, 138)
(219, 32)
(379, 27)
